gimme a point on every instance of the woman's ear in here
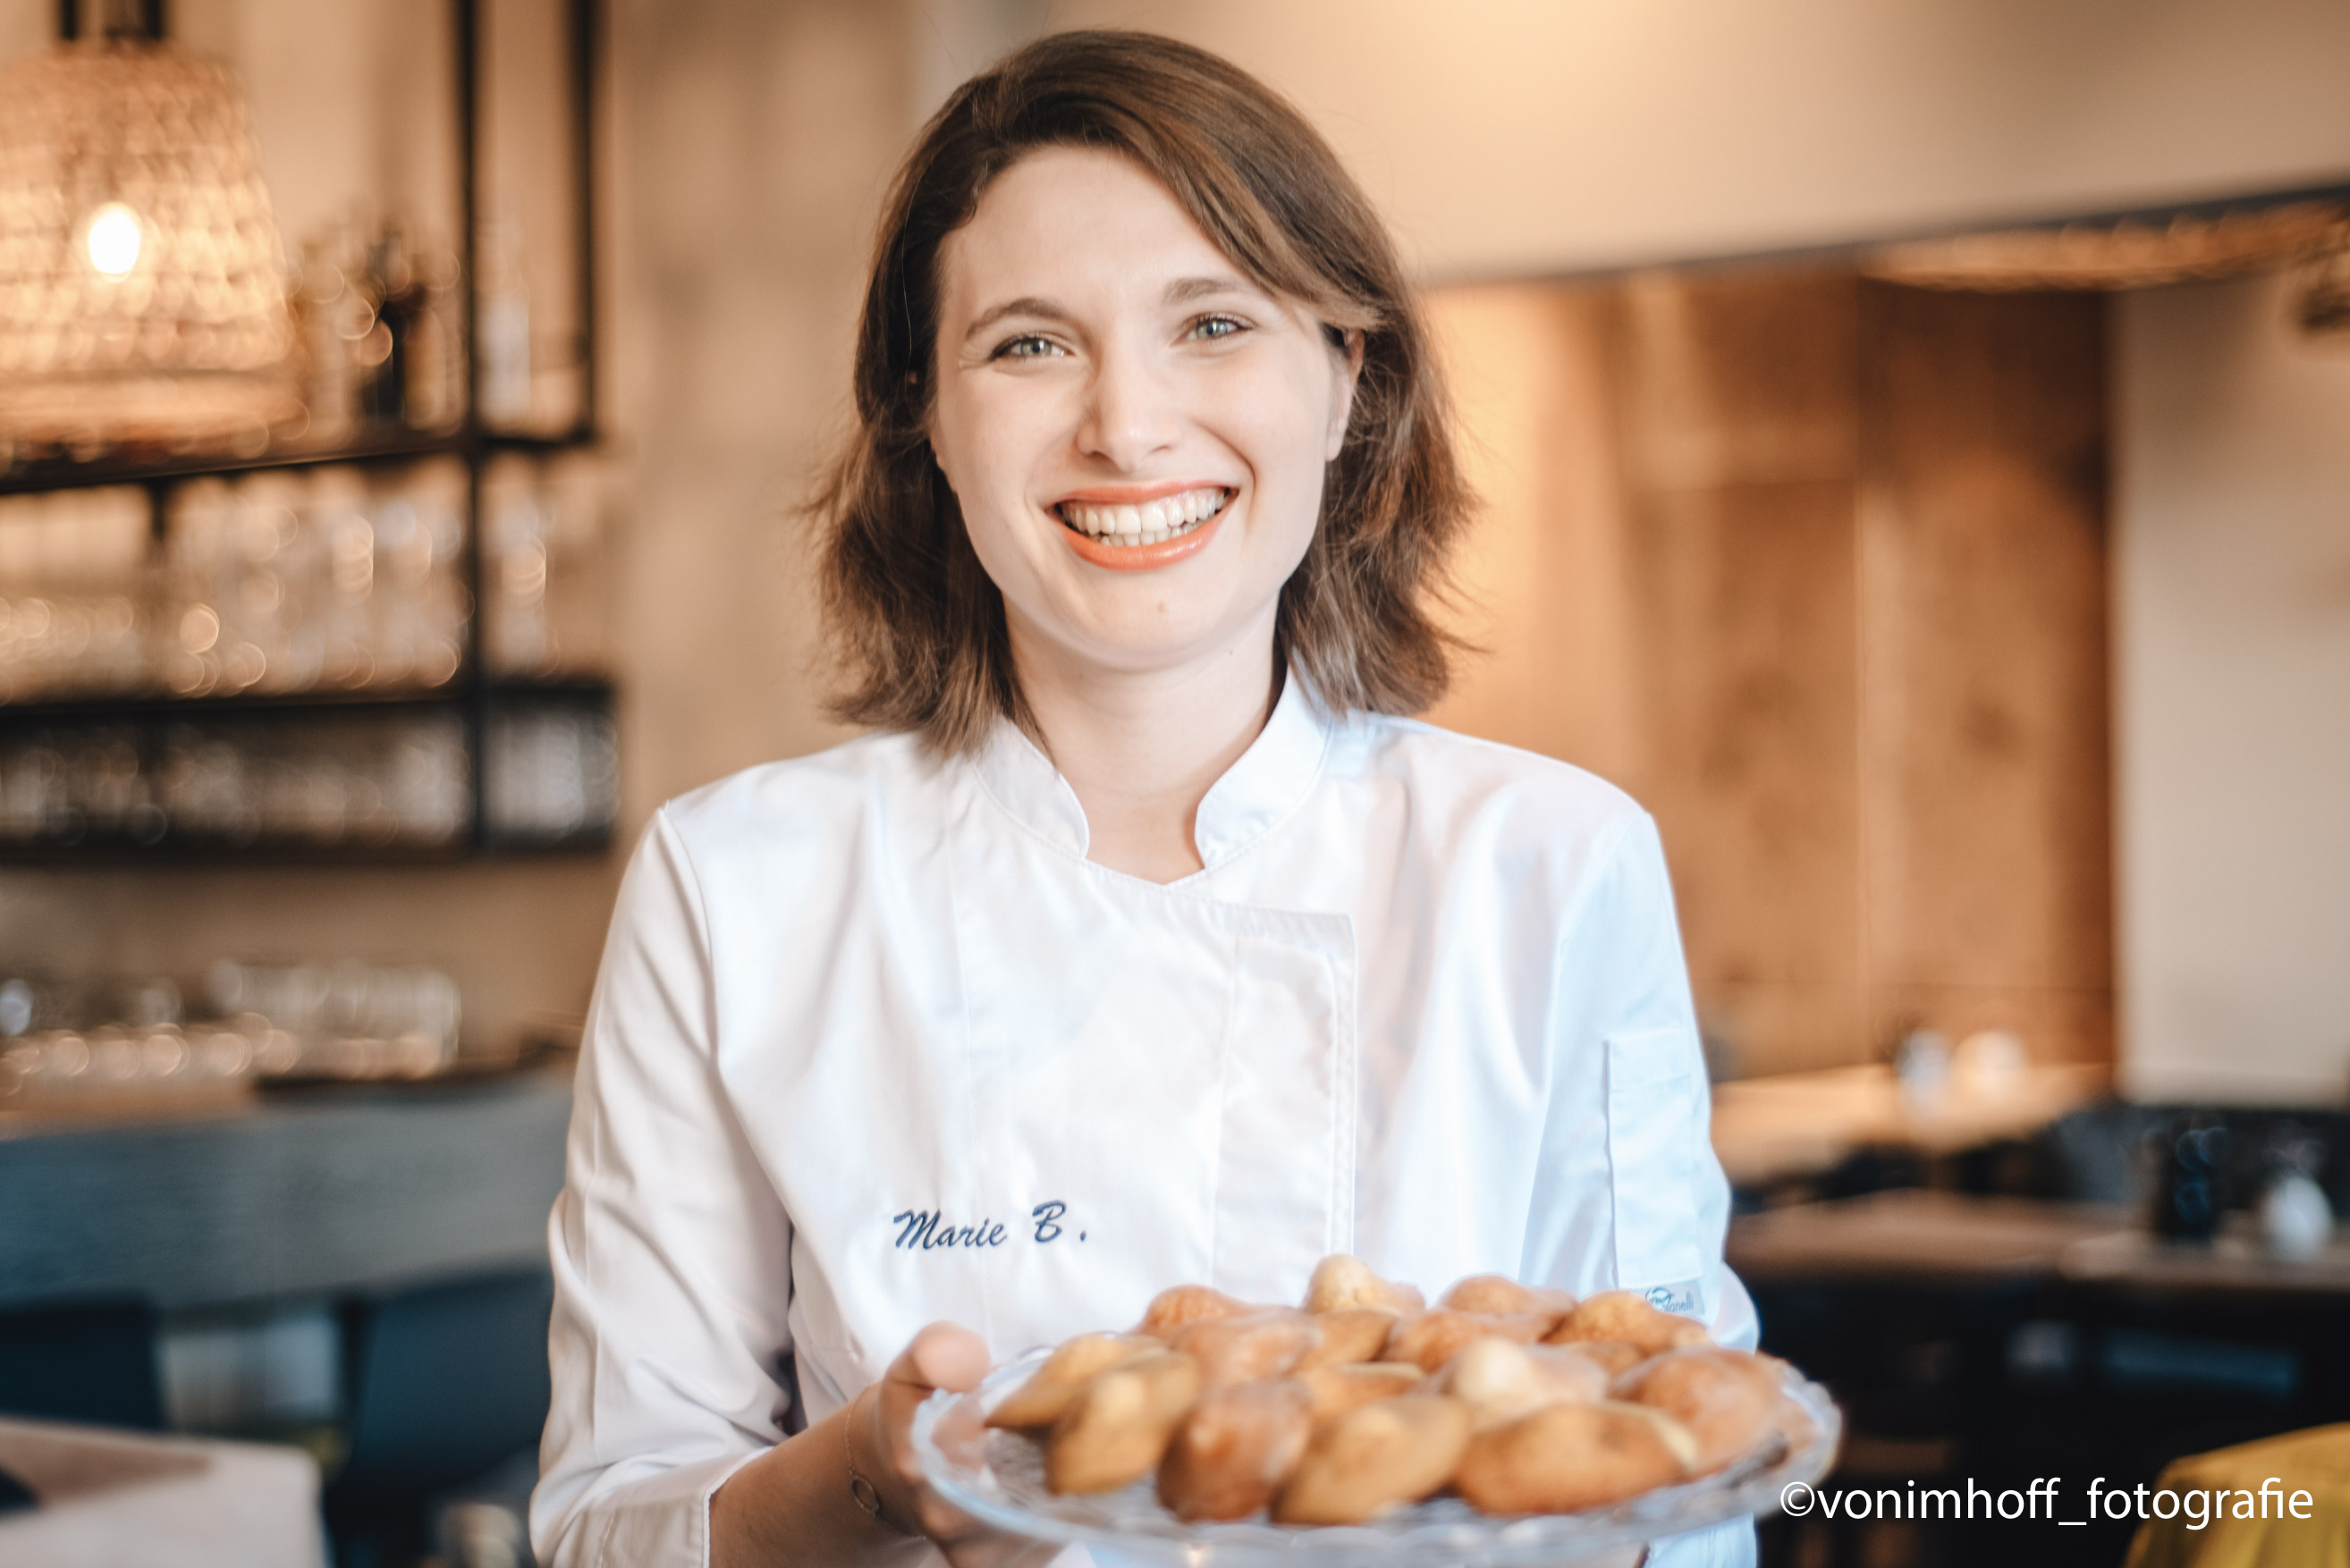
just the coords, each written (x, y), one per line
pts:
(1346, 349)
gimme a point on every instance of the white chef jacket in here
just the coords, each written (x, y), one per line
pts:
(874, 1043)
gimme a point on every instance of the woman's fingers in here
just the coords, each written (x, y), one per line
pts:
(950, 1356)
(944, 1355)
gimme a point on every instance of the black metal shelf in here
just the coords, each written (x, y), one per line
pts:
(480, 700)
(216, 850)
(115, 848)
(48, 474)
(132, 708)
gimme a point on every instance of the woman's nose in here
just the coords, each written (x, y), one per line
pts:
(1129, 410)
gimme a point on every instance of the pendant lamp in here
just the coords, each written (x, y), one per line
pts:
(143, 285)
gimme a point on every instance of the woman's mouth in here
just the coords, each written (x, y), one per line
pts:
(1133, 524)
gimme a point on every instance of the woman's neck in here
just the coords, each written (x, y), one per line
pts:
(1142, 748)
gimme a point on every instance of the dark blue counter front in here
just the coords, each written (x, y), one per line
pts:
(319, 1193)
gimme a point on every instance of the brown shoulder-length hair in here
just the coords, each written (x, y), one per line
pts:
(916, 624)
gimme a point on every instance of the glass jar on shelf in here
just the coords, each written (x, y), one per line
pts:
(74, 567)
(545, 559)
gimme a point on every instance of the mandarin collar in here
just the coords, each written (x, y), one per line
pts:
(1268, 782)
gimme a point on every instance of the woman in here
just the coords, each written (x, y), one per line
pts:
(1140, 944)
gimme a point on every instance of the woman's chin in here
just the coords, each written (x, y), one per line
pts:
(1120, 642)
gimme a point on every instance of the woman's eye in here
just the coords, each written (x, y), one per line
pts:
(1029, 347)
(1214, 326)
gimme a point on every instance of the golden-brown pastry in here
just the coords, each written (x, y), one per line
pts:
(1173, 1310)
(1113, 1432)
(1040, 1401)
(1500, 1381)
(1430, 1339)
(1728, 1399)
(1614, 1355)
(1233, 1448)
(1621, 1315)
(1373, 1460)
(1499, 1293)
(1340, 1282)
(1339, 1389)
(1564, 1457)
(1244, 1348)
(1350, 1335)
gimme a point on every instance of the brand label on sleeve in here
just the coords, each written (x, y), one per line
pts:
(1678, 1297)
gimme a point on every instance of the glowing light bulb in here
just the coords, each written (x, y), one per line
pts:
(114, 239)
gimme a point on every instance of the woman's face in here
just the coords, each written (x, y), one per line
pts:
(1136, 432)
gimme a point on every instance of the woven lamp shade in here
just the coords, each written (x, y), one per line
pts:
(142, 287)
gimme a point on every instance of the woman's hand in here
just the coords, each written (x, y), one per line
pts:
(797, 1503)
(944, 1355)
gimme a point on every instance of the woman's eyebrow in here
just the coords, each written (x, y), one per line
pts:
(1027, 305)
(1184, 289)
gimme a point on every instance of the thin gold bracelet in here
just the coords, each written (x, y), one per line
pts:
(863, 1492)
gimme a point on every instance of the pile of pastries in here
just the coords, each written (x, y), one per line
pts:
(1519, 1399)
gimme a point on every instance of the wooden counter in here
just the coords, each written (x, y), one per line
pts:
(1802, 1124)
(1918, 1239)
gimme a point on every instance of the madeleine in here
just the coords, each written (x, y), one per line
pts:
(1564, 1457)
(1622, 1316)
(1430, 1339)
(1249, 1345)
(1500, 1381)
(1728, 1399)
(1040, 1401)
(1179, 1306)
(1233, 1449)
(1375, 1460)
(1116, 1430)
(1341, 1281)
(1501, 1294)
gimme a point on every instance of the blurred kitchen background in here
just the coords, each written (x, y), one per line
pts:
(1917, 449)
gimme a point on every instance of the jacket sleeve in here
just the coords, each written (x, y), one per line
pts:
(670, 1249)
(1622, 1000)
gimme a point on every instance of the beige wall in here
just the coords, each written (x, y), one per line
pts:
(1528, 136)
(752, 144)
(2231, 587)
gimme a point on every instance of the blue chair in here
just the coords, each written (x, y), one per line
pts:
(90, 1362)
(442, 1383)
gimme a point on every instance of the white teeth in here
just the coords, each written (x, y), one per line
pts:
(1148, 522)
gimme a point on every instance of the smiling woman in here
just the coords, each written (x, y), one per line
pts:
(1146, 940)
(1230, 220)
